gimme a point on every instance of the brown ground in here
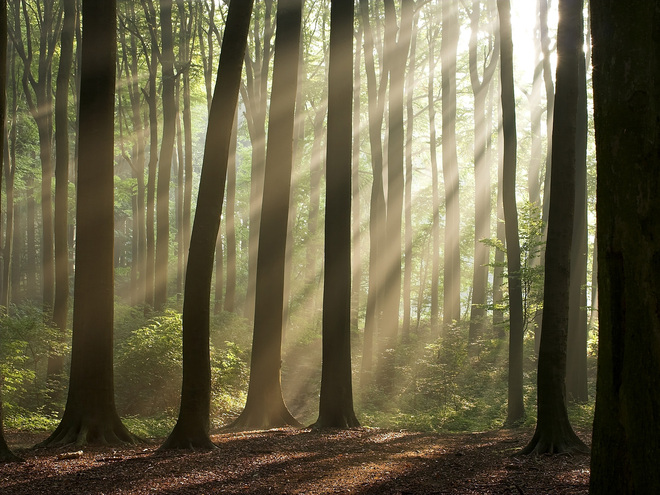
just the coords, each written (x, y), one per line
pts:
(288, 461)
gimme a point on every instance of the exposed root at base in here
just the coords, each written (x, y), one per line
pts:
(82, 433)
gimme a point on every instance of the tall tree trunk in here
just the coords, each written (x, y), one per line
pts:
(435, 186)
(31, 246)
(452, 256)
(230, 229)
(408, 227)
(516, 407)
(377, 212)
(554, 433)
(60, 309)
(625, 443)
(265, 407)
(578, 330)
(192, 427)
(336, 398)
(152, 167)
(482, 203)
(498, 270)
(355, 182)
(165, 157)
(11, 268)
(90, 415)
(256, 98)
(5, 454)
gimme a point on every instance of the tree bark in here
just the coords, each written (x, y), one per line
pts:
(578, 330)
(516, 407)
(165, 157)
(482, 204)
(265, 407)
(554, 433)
(336, 399)
(90, 416)
(192, 427)
(625, 445)
(452, 256)
(6, 454)
(61, 306)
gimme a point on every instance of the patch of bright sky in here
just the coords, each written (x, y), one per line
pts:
(524, 25)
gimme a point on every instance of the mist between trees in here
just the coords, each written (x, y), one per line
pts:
(384, 214)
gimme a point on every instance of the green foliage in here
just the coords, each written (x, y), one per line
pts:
(26, 342)
(149, 368)
(530, 231)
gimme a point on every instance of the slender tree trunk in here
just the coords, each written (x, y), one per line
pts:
(408, 229)
(336, 398)
(482, 202)
(452, 258)
(152, 168)
(257, 102)
(165, 158)
(265, 407)
(192, 427)
(373, 317)
(5, 454)
(554, 433)
(516, 407)
(230, 229)
(578, 330)
(435, 187)
(61, 307)
(355, 182)
(31, 247)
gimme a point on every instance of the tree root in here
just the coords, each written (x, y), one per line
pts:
(260, 419)
(546, 443)
(82, 432)
(182, 438)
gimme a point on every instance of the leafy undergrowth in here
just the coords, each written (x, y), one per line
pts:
(297, 461)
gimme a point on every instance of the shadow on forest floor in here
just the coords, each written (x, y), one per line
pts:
(290, 461)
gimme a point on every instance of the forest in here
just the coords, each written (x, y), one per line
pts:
(397, 246)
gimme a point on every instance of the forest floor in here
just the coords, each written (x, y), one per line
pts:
(294, 461)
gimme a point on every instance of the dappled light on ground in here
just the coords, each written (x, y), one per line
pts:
(296, 461)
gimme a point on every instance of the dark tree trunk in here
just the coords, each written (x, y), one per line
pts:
(373, 315)
(256, 98)
(554, 433)
(5, 454)
(578, 330)
(60, 309)
(452, 256)
(192, 427)
(11, 268)
(498, 271)
(152, 167)
(186, 33)
(31, 246)
(90, 416)
(265, 407)
(316, 166)
(336, 399)
(516, 407)
(626, 440)
(165, 157)
(47, 22)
